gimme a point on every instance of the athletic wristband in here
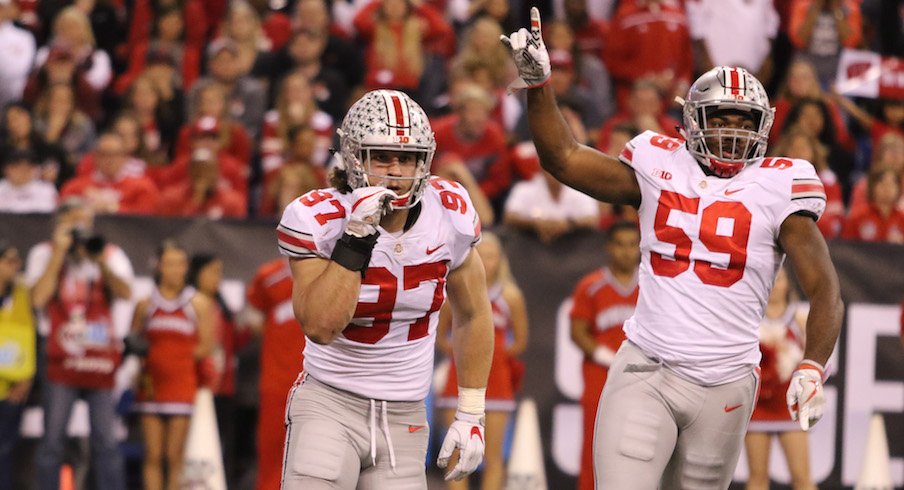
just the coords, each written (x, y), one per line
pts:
(353, 252)
(810, 364)
(472, 400)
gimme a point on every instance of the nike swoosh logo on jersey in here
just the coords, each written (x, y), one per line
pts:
(732, 408)
(475, 431)
(434, 249)
(414, 428)
(732, 191)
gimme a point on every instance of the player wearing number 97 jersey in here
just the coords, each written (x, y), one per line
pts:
(716, 219)
(372, 259)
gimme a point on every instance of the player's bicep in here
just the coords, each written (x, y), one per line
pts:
(807, 250)
(600, 176)
(467, 290)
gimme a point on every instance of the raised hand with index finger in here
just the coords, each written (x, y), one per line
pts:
(530, 55)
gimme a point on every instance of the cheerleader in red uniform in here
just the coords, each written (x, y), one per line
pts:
(509, 317)
(781, 343)
(176, 323)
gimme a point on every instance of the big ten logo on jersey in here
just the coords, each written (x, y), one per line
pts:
(407, 299)
(567, 417)
(450, 194)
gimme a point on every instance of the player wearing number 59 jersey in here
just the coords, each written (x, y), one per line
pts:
(716, 220)
(372, 259)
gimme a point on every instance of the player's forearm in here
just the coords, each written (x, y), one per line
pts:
(326, 307)
(549, 131)
(472, 345)
(824, 321)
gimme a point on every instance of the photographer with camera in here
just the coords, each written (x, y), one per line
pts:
(75, 279)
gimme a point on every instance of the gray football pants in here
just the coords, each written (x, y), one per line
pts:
(329, 437)
(655, 429)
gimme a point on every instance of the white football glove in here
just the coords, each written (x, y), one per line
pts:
(466, 434)
(806, 400)
(370, 204)
(530, 55)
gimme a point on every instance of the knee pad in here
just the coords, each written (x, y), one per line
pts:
(640, 435)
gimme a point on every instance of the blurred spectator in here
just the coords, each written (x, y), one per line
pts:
(470, 137)
(888, 153)
(268, 310)
(154, 23)
(880, 221)
(603, 300)
(159, 118)
(17, 335)
(126, 127)
(813, 117)
(591, 75)
(17, 132)
(246, 98)
(781, 344)
(166, 45)
(210, 102)
(303, 54)
(176, 323)
(463, 12)
(891, 120)
(643, 112)
(481, 46)
(649, 39)
(564, 80)
(819, 30)
(204, 194)
(610, 214)
(74, 279)
(546, 207)
(205, 134)
(22, 190)
(395, 33)
(589, 33)
(801, 83)
(338, 54)
(59, 121)
(243, 27)
(733, 33)
(115, 186)
(17, 54)
(506, 371)
(71, 58)
(295, 106)
(295, 175)
(205, 274)
(798, 144)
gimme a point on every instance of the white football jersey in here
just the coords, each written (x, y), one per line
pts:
(710, 254)
(386, 352)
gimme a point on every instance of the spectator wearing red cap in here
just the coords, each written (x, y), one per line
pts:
(649, 39)
(211, 99)
(205, 193)
(22, 190)
(205, 134)
(879, 221)
(470, 137)
(113, 187)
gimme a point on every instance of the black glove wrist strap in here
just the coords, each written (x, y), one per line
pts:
(353, 252)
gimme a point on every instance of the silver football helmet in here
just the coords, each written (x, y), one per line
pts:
(386, 120)
(723, 89)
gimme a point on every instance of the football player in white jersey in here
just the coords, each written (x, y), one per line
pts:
(716, 221)
(371, 259)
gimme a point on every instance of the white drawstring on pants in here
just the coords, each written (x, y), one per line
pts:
(384, 425)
